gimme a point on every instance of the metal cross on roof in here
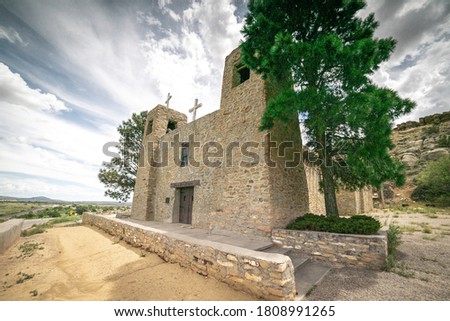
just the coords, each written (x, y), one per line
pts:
(193, 110)
(168, 99)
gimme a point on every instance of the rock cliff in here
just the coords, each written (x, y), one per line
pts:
(417, 143)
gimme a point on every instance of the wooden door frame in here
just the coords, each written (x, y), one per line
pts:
(189, 203)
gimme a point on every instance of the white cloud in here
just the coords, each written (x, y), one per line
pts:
(163, 3)
(189, 64)
(419, 68)
(10, 34)
(176, 17)
(217, 26)
(14, 90)
(96, 44)
(36, 142)
(149, 19)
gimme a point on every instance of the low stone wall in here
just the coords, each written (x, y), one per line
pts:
(9, 233)
(365, 251)
(265, 275)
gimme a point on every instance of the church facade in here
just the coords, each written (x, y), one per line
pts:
(220, 172)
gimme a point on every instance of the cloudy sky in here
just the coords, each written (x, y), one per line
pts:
(71, 71)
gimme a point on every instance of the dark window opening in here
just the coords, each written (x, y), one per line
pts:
(184, 154)
(171, 126)
(241, 74)
(244, 74)
(149, 127)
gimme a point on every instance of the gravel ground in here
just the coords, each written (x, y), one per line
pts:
(422, 269)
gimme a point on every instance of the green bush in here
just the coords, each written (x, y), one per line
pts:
(433, 129)
(444, 141)
(393, 239)
(358, 224)
(434, 182)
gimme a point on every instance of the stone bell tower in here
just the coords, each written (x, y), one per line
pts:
(160, 120)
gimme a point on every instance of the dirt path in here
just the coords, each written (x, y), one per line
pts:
(79, 263)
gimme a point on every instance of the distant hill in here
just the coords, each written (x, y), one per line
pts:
(45, 199)
(30, 199)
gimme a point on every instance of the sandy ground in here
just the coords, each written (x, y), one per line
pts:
(82, 263)
(422, 271)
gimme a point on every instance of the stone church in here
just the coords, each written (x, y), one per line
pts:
(220, 172)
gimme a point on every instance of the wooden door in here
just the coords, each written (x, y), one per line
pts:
(186, 201)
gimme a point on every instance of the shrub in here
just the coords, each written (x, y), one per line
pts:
(434, 182)
(393, 239)
(80, 209)
(358, 224)
(444, 141)
(433, 129)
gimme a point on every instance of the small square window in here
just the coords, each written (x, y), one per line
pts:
(171, 125)
(241, 73)
(244, 74)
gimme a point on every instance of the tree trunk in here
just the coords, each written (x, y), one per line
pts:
(381, 195)
(329, 190)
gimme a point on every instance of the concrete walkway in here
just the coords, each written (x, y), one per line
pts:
(245, 241)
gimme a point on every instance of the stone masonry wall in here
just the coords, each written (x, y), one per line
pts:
(265, 275)
(349, 202)
(362, 251)
(316, 198)
(155, 126)
(241, 193)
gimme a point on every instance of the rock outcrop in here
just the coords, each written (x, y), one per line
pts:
(417, 143)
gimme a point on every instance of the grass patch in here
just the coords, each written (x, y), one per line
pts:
(64, 219)
(403, 270)
(28, 248)
(431, 215)
(41, 228)
(418, 209)
(24, 277)
(409, 229)
(38, 229)
(425, 259)
(427, 229)
(8, 208)
(311, 290)
(431, 238)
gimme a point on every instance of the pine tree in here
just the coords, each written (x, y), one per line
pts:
(119, 175)
(323, 54)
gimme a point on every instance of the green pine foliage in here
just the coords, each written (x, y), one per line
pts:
(119, 175)
(358, 224)
(322, 56)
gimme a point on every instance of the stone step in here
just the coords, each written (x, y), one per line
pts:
(277, 249)
(307, 276)
(263, 246)
(297, 260)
